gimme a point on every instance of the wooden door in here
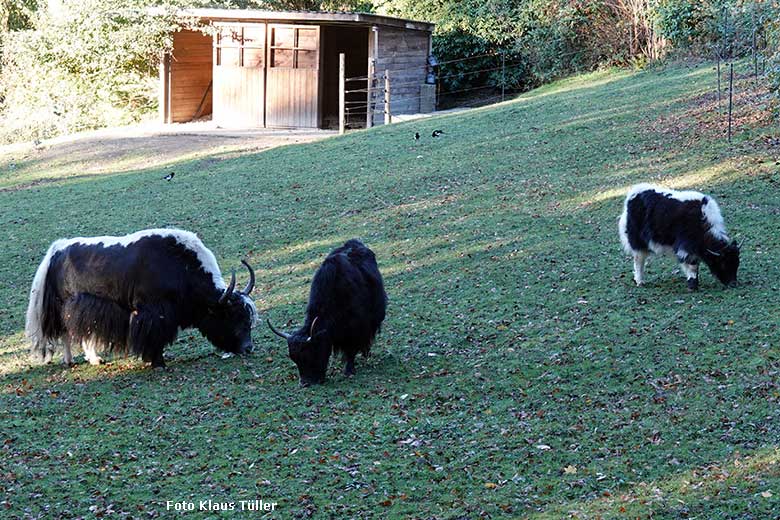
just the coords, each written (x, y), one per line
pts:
(293, 83)
(239, 75)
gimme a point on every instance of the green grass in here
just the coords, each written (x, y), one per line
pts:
(520, 373)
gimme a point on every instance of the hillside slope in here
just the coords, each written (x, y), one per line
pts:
(520, 372)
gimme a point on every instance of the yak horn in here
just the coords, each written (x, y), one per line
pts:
(713, 252)
(251, 285)
(229, 290)
(311, 329)
(273, 329)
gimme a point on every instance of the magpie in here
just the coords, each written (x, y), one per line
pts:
(417, 136)
(437, 133)
(169, 176)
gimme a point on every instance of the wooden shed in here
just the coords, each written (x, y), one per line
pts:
(252, 68)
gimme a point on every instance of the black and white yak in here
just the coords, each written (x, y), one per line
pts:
(685, 224)
(131, 295)
(347, 304)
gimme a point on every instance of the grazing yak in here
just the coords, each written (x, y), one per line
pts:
(132, 294)
(347, 303)
(684, 224)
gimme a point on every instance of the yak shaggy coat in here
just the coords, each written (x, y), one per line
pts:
(347, 304)
(685, 224)
(132, 294)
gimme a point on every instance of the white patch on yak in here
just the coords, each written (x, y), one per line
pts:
(622, 223)
(691, 271)
(248, 302)
(710, 210)
(90, 347)
(33, 326)
(660, 249)
(640, 257)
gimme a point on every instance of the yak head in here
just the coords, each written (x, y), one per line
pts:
(724, 263)
(309, 347)
(229, 320)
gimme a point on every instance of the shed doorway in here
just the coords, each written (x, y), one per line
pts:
(353, 42)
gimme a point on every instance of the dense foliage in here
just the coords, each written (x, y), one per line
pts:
(95, 63)
(86, 65)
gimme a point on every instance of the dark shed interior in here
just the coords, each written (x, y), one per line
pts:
(353, 42)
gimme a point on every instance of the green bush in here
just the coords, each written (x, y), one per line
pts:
(88, 67)
(684, 22)
(541, 39)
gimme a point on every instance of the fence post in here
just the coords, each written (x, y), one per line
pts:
(726, 37)
(370, 93)
(503, 74)
(342, 94)
(731, 95)
(720, 110)
(388, 117)
(755, 57)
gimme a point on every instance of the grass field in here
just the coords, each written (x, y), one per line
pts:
(520, 373)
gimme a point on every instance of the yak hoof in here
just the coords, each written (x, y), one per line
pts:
(693, 284)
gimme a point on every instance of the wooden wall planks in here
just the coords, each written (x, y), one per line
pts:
(190, 75)
(292, 100)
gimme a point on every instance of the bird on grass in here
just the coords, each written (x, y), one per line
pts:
(169, 176)
(417, 136)
(437, 133)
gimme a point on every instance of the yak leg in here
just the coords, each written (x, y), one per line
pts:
(89, 346)
(151, 328)
(691, 272)
(67, 356)
(640, 257)
(158, 361)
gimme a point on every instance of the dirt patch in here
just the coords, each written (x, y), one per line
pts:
(131, 148)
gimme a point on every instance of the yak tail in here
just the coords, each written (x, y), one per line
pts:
(43, 320)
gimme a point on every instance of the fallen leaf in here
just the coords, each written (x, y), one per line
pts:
(766, 494)
(570, 470)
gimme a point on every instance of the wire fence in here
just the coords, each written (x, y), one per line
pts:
(367, 96)
(478, 79)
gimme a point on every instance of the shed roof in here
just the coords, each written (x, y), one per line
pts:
(323, 17)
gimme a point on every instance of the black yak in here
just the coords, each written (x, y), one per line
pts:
(132, 295)
(685, 224)
(347, 304)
